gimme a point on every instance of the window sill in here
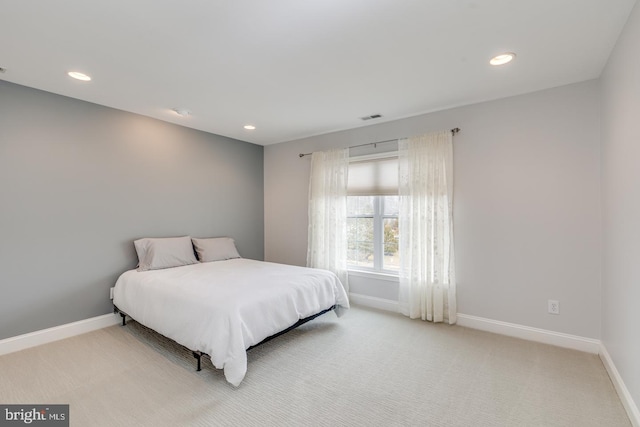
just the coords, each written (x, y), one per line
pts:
(375, 275)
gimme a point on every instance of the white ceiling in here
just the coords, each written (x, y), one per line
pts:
(296, 68)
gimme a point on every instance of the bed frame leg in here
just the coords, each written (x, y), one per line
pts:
(124, 318)
(198, 355)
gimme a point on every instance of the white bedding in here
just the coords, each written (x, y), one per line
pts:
(222, 308)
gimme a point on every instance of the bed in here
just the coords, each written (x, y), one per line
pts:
(222, 308)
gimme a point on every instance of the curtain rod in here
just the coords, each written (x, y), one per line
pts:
(453, 131)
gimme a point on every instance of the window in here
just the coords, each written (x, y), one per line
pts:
(372, 214)
(372, 233)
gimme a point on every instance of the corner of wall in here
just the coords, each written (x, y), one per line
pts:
(625, 397)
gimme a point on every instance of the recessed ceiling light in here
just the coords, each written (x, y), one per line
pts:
(182, 112)
(249, 127)
(502, 59)
(79, 76)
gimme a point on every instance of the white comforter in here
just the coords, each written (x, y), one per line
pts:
(222, 308)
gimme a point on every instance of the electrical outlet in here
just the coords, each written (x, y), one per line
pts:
(111, 293)
(554, 306)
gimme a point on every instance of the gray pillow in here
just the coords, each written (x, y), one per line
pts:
(154, 254)
(215, 249)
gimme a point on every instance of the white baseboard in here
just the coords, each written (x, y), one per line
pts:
(374, 302)
(496, 326)
(575, 342)
(625, 397)
(44, 336)
(559, 339)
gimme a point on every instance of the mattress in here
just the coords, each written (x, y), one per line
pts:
(222, 308)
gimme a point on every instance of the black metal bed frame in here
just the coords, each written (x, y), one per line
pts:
(198, 354)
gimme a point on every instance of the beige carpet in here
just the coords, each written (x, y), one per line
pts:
(368, 368)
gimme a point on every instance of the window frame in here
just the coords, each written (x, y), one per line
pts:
(378, 217)
(378, 222)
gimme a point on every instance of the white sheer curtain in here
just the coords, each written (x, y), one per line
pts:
(427, 270)
(327, 247)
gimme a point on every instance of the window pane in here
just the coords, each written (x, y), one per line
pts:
(391, 256)
(363, 256)
(391, 204)
(360, 242)
(372, 231)
(360, 205)
(359, 230)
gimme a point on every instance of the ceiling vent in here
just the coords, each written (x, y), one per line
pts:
(371, 117)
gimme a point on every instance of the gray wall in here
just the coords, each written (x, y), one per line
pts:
(621, 205)
(527, 204)
(79, 182)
